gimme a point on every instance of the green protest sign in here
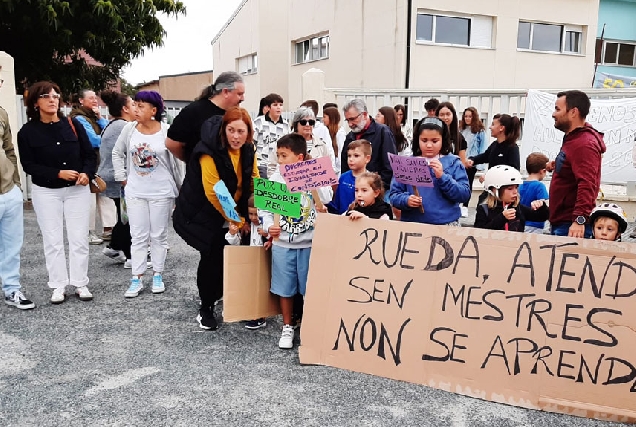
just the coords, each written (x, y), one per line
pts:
(275, 197)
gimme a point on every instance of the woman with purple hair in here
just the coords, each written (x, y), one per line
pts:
(149, 174)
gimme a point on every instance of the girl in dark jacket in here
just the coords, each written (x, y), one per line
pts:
(502, 210)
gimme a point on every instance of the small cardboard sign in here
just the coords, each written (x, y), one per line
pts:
(246, 282)
(309, 175)
(274, 197)
(535, 321)
(411, 170)
(227, 201)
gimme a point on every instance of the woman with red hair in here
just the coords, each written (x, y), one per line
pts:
(224, 155)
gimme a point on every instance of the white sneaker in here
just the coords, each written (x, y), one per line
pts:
(114, 254)
(287, 337)
(464, 210)
(83, 293)
(58, 296)
(157, 284)
(136, 286)
(94, 240)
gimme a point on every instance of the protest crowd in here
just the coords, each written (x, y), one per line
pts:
(221, 177)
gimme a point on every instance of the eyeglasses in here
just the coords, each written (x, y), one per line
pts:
(351, 119)
(304, 122)
(48, 95)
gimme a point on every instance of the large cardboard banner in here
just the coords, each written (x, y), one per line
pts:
(616, 118)
(534, 321)
(246, 281)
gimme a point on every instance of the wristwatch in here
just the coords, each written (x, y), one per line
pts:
(580, 220)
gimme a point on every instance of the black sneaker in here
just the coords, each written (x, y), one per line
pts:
(18, 300)
(206, 320)
(255, 324)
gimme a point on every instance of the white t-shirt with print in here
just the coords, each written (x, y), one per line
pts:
(148, 176)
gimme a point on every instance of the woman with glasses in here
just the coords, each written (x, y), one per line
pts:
(58, 155)
(303, 124)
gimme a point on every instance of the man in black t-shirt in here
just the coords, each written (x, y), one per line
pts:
(227, 91)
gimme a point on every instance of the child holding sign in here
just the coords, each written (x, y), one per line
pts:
(358, 157)
(502, 210)
(292, 240)
(436, 199)
(369, 198)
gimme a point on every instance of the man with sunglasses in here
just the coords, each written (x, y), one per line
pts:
(380, 136)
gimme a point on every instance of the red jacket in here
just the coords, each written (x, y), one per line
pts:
(577, 175)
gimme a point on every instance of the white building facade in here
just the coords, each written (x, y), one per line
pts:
(449, 44)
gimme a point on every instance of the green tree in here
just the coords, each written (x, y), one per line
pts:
(46, 37)
(127, 88)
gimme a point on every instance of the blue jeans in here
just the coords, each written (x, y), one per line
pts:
(563, 229)
(11, 236)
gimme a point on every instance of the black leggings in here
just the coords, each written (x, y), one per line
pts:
(120, 240)
(210, 273)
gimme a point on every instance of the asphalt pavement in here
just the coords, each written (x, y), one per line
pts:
(144, 361)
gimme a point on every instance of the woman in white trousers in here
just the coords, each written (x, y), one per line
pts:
(57, 153)
(148, 171)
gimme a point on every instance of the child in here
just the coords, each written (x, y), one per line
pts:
(502, 210)
(358, 156)
(533, 189)
(369, 199)
(438, 204)
(608, 222)
(256, 237)
(292, 240)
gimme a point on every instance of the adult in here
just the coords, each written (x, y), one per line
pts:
(149, 174)
(337, 135)
(268, 129)
(320, 130)
(11, 219)
(576, 178)
(473, 131)
(387, 116)
(225, 153)
(58, 155)
(506, 130)
(303, 123)
(87, 113)
(380, 136)
(227, 91)
(122, 110)
(407, 130)
(431, 107)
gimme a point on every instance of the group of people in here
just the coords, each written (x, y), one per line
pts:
(224, 149)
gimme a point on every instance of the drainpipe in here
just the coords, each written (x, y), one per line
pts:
(407, 76)
(596, 63)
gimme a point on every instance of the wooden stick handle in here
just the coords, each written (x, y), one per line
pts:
(417, 193)
(276, 222)
(317, 200)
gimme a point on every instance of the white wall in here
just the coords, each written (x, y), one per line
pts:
(8, 101)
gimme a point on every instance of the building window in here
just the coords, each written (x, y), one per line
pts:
(475, 31)
(247, 64)
(549, 37)
(615, 53)
(312, 49)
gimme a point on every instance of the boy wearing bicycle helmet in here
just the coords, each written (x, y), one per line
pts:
(608, 222)
(502, 210)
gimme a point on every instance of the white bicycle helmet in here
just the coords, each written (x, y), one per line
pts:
(500, 176)
(610, 210)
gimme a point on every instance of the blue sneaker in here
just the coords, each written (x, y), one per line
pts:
(157, 284)
(136, 286)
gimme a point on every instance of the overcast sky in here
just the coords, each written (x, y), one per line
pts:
(187, 45)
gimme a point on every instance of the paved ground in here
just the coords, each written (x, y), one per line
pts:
(144, 362)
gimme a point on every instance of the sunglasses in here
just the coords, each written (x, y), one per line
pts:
(48, 95)
(305, 122)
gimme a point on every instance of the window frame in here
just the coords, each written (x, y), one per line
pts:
(252, 68)
(565, 30)
(618, 51)
(319, 44)
(435, 14)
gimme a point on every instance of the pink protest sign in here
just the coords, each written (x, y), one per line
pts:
(411, 170)
(309, 175)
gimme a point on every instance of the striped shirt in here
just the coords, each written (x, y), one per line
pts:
(266, 134)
